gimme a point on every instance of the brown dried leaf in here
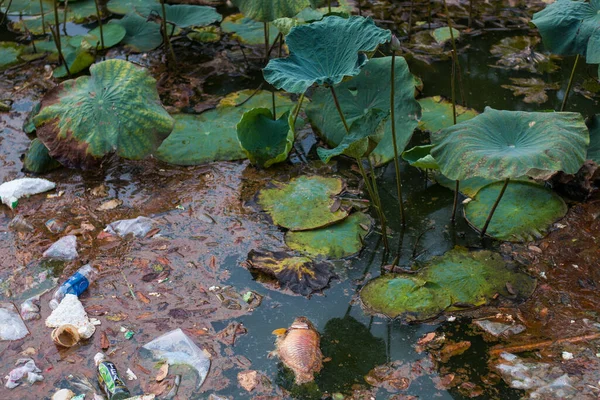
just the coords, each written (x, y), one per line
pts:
(142, 298)
(162, 372)
(104, 343)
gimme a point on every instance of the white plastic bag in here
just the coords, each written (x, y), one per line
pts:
(12, 326)
(63, 249)
(12, 191)
(139, 227)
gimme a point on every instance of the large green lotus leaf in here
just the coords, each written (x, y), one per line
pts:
(78, 59)
(525, 213)
(265, 141)
(34, 25)
(420, 157)
(506, 144)
(183, 15)
(474, 278)
(593, 152)
(442, 35)
(270, 10)
(303, 203)
(593, 50)
(246, 30)
(9, 54)
(116, 108)
(112, 34)
(141, 35)
(82, 11)
(437, 114)
(37, 159)
(123, 7)
(343, 239)
(212, 135)
(369, 90)
(365, 134)
(325, 52)
(26, 7)
(566, 26)
(299, 274)
(403, 296)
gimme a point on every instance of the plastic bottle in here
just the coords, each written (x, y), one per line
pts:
(109, 379)
(76, 284)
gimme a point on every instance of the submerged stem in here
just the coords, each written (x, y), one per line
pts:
(564, 103)
(491, 214)
(374, 198)
(396, 158)
(455, 204)
(99, 24)
(56, 36)
(267, 47)
(337, 105)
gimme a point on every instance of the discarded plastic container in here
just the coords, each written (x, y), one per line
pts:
(109, 379)
(66, 335)
(76, 284)
(70, 311)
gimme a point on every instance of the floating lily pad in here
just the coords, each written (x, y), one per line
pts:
(442, 35)
(77, 58)
(533, 89)
(566, 26)
(212, 135)
(341, 240)
(338, 53)
(369, 90)
(265, 141)
(524, 214)
(420, 157)
(507, 144)
(116, 108)
(207, 34)
(246, 30)
(518, 53)
(9, 54)
(141, 35)
(437, 113)
(459, 276)
(123, 7)
(303, 203)
(267, 11)
(183, 15)
(365, 134)
(82, 11)
(27, 7)
(112, 34)
(299, 274)
(593, 152)
(37, 159)
(35, 26)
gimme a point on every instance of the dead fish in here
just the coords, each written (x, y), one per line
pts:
(299, 349)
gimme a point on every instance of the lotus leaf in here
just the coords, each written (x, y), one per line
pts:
(27, 7)
(141, 35)
(299, 274)
(265, 141)
(247, 30)
(183, 15)
(506, 144)
(34, 25)
(459, 276)
(123, 7)
(369, 90)
(212, 135)
(270, 10)
(420, 157)
(207, 34)
(78, 59)
(442, 35)
(28, 125)
(515, 219)
(116, 108)
(566, 26)
(468, 187)
(37, 159)
(303, 203)
(82, 11)
(533, 89)
(341, 240)
(593, 152)
(112, 34)
(325, 52)
(437, 114)
(9, 54)
(363, 137)
(517, 53)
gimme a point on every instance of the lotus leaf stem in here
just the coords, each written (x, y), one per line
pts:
(566, 98)
(455, 54)
(99, 23)
(274, 106)
(56, 36)
(377, 199)
(429, 14)
(298, 107)
(455, 204)
(267, 49)
(374, 198)
(166, 34)
(65, 7)
(393, 122)
(8, 9)
(337, 105)
(43, 18)
(329, 6)
(491, 214)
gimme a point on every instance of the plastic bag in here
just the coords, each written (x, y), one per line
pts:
(12, 326)
(139, 227)
(12, 191)
(176, 347)
(63, 249)
(28, 370)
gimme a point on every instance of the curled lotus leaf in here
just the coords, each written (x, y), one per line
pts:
(567, 26)
(299, 274)
(325, 52)
(593, 152)
(340, 240)
(303, 203)
(141, 35)
(369, 90)
(420, 157)
(516, 220)
(506, 144)
(246, 30)
(116, 108)
(270, 10)
(437, 113)
(37, 159)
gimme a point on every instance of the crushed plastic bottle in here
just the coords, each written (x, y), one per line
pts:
(76, 284)
(109, 379)
(27, 369)
(12, 191)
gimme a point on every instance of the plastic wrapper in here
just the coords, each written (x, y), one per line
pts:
(138, 227)
(27, 369)
(12, 191)
(12, 326)
(63, 249)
